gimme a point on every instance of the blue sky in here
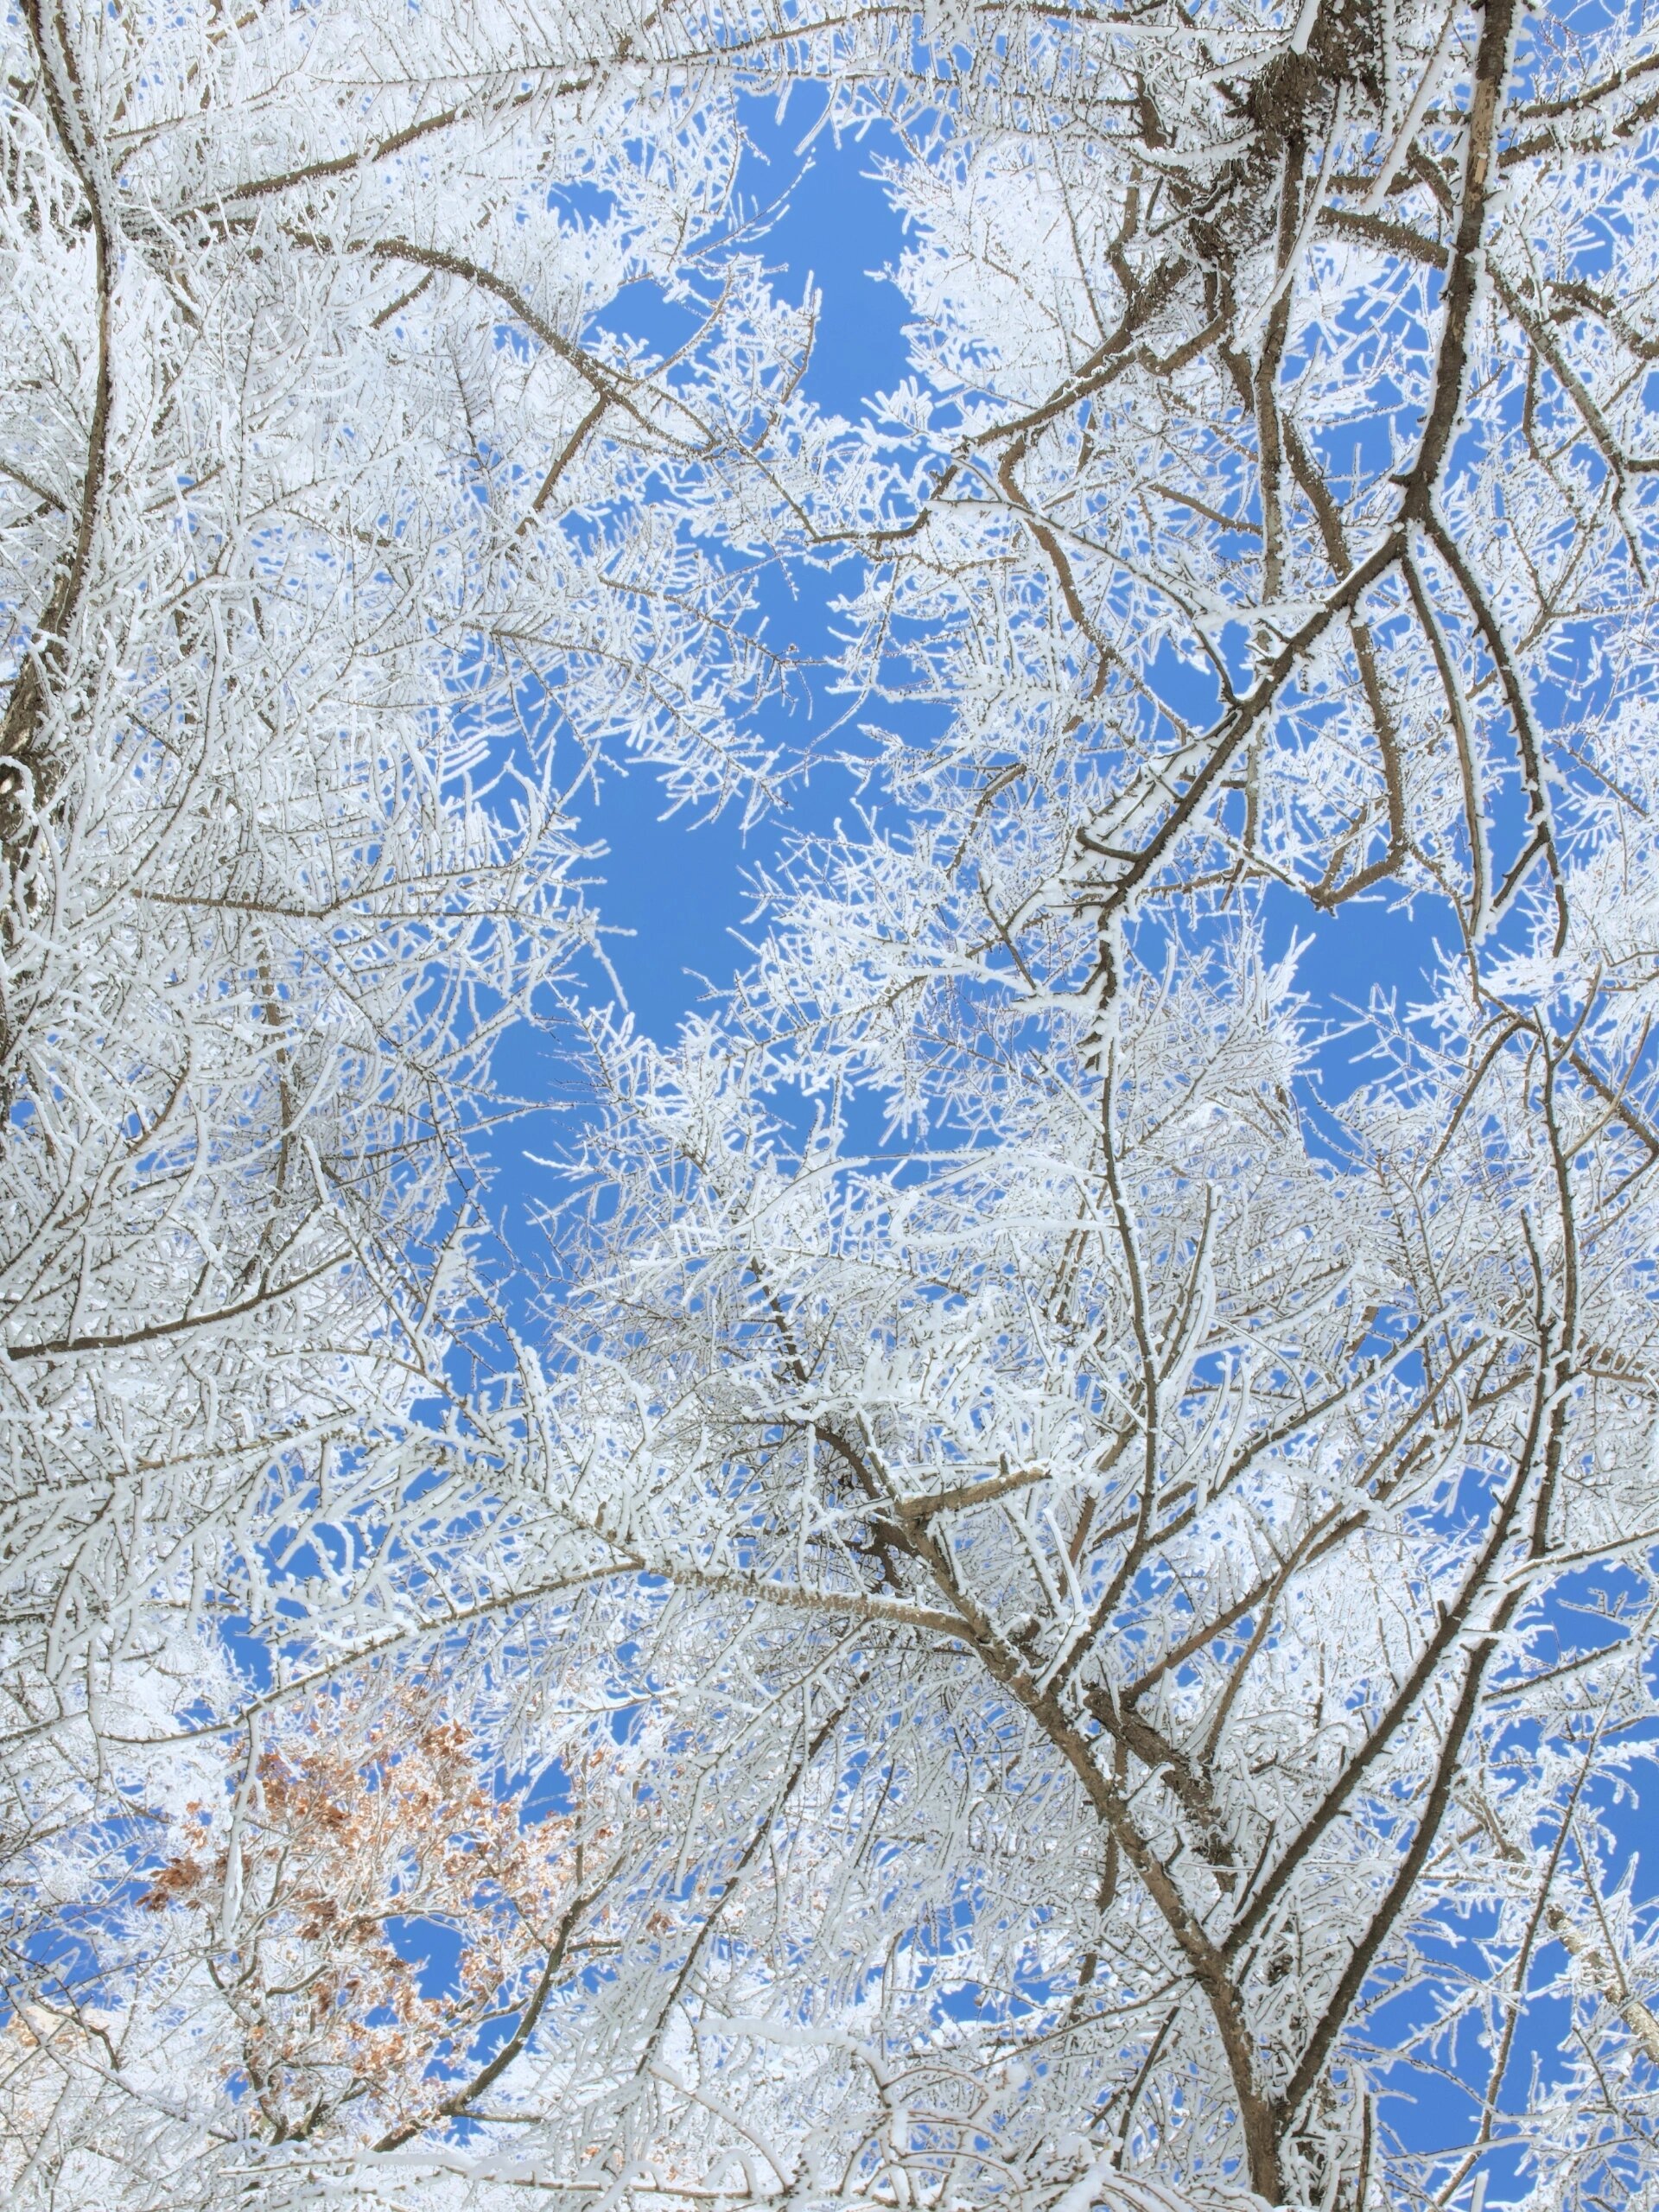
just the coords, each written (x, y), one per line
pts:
(674, 889)
(677, 884)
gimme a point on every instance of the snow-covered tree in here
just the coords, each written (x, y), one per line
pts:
(1210, 1514)
(1088, 1576)
(340, 543)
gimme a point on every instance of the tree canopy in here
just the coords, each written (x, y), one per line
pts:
(1037, 1589)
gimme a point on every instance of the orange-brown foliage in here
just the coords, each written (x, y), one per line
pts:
(363, 1818)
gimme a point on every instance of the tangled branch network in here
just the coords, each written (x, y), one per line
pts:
(1030, 1581)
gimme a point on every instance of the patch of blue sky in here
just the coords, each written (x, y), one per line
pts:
(676, 896)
